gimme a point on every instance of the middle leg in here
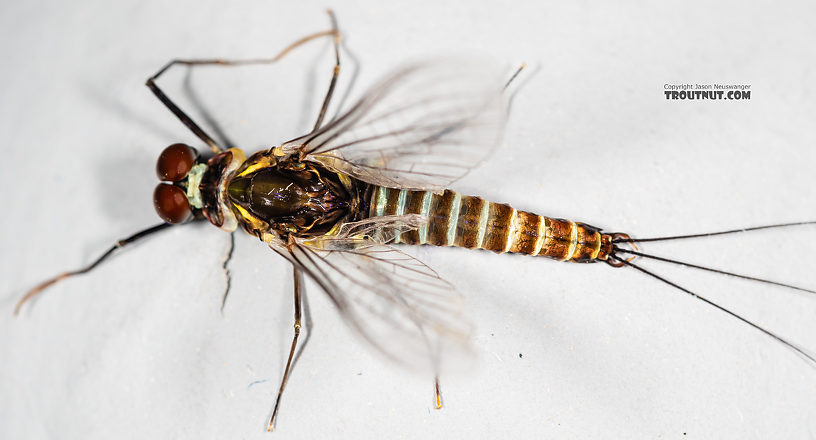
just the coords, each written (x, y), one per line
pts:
(298, 276)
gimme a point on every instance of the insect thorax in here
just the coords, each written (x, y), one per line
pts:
(287, 196)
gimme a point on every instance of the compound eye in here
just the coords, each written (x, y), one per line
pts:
(175, 162)
(171, 203)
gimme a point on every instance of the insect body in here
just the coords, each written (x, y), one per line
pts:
(306, 200)
(334, 201)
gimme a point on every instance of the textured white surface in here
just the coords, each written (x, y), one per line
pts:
(138, 349)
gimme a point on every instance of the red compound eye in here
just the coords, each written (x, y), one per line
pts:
(175, 162)
(171, 203)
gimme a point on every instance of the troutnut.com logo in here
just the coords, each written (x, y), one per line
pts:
(691, 92)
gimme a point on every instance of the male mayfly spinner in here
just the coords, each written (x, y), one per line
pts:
(334, 202)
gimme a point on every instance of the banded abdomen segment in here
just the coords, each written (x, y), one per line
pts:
(471, 222)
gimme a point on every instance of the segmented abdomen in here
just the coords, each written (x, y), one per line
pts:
(472, 222)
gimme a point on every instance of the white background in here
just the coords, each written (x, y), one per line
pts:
(139, 349)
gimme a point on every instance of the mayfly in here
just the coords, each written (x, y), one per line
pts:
(335, 201)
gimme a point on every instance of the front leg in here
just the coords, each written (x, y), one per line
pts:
(194, 127)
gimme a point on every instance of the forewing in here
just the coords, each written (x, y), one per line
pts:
(421, 127)
(394, 301)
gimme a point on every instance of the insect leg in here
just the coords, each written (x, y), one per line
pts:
(187, 120)
(437, 394)
(298, 276)
(118, 245)
(226, 270)
(335, 73)
(515, 74)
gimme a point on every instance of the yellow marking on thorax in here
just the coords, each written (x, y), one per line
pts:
(345, 180)
(256, 223)
(264, 162)
(335, 229)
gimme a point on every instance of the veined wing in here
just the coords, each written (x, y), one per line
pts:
(421, 127)
(394, 301)
(380, 229)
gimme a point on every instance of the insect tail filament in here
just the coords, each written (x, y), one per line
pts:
(710, 269)
(799, 350)
(711, 234)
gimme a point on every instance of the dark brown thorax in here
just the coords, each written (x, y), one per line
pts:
(290, 197)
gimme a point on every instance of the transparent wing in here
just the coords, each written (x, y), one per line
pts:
(421, 127)
(380, 229)
(394, 301)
